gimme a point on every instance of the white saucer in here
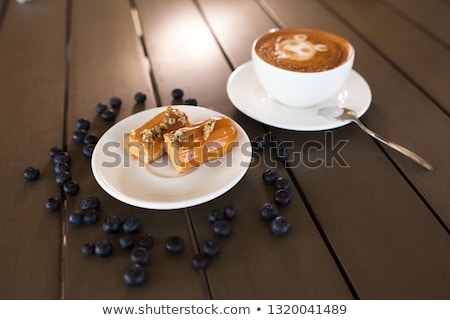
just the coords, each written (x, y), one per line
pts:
(248, 96)
(159, 186)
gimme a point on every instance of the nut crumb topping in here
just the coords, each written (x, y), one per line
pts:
(178, 135)
(171, 117)
(208, 128)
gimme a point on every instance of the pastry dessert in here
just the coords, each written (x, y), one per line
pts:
(146, 143)
(198, 143)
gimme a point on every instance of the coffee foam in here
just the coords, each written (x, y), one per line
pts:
(303, 50)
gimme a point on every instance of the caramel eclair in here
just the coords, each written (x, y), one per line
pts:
(198, 143)
(146, 143)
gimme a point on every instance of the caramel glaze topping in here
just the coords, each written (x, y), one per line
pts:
(201, 142)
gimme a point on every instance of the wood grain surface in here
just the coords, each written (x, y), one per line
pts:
(366, 222)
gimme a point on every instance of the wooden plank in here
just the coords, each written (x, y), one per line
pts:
(242, 270)
(107, 60)
(432, 16)
(405, 123)
(32, 91)
(426, 64)
(386, 232)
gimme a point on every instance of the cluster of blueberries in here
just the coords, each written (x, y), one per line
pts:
(140, 255)
(221, 226)
(279, 225)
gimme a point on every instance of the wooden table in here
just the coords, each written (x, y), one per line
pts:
(377, 228)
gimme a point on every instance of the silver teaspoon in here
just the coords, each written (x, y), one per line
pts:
(342, 114)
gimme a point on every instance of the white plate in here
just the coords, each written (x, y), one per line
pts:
(250, 98)
(159, 186)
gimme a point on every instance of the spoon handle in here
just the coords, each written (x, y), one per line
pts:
(397, 147)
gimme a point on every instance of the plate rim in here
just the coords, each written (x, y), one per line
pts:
(171, 204)
(331, 124)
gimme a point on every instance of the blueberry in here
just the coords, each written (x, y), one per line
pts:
(71, 187)
(83, 124)
(140, 97)
(61, 167)
(53, 204)
(258, 143)
(199, 262)
(230, 211)
(88, 249)
(282, 197)
(134, 275)
(282, 183)
(62, 177)
(268, 211)
(111, 224)
(90, 202)
(269, 176)
(54, 150)
(115, 102)
(131, 224)
(140, 255)
(76, 218)
(280, 226)
(222, 228)
(90, 139)
(103, 248)
(109, 114)
(215, 214)
(177, 93)
(31, 173)
(191, 102)
(210, 248)
(79, 135)
(88, 150)
(100, 107)
(90, 216)
(281, 152)
(174, 245)
(126, 242)
(145, 240)
(61, 156)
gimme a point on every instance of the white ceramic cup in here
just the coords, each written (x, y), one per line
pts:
(300, 89)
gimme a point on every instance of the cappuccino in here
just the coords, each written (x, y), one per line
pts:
(303, 50)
